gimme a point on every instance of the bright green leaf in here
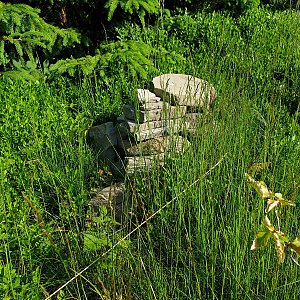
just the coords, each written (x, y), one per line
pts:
(95, 242)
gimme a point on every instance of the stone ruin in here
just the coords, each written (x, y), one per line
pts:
(148, 132)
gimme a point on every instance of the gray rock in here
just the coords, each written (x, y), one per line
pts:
(149, 133)
(147, 106)
(139, 132)
(181, 89)
(170, 112)
(122, 128)
(103, 136)
(191, 122)
(110, 195)
(145, 96)
(156, 145)
(109, 155)
(143, 163)
(113, 197)
(154, 105)
(149, 130)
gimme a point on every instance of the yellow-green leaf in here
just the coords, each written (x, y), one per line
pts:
(260, 187)
(276, 201)
(279, 246)
(283, 202)
(269, 225)
(272, 204)
(295, 245)
(257, 167)
(261, 239)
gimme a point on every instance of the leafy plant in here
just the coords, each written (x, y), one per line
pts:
(13, 287)
(274, 202)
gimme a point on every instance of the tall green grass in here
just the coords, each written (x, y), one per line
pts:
(198, 247)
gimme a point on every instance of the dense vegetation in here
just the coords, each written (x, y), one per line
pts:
(56, 82)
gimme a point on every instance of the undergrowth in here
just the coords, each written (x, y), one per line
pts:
(198, 247)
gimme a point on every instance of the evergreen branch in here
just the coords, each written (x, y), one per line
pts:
(27, 32)
(139, 7)
(130, 54)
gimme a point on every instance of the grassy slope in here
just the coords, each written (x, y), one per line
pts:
(198, 247)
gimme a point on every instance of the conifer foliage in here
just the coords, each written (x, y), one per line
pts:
(129, 54)
(139, 7)
(25, 36)
(28, 44)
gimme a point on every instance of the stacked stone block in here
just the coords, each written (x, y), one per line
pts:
(155, 126)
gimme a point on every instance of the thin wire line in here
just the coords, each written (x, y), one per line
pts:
(135, 229)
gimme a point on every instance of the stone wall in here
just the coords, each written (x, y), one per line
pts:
(154, 127)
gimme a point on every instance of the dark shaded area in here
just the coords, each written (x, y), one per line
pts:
(90, 16)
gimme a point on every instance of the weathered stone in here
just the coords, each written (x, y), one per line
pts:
(173, 125)
(139, 131)
(103, 136)
(133, 127)
(197, 123)
(112, 197)
(154, 115)
(148, 130)
(154, 105)
(181, 89)
(126, 144)
(145, 96)
(113, 194)
(109, 154)
(118, 168)
(193, 118)
(156, 145)
(149, 134)
(143, 163)
(122, 128)
(146, 107)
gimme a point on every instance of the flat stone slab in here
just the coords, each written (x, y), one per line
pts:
(149, 134)
(147, 106)
(143, 163)
(148, 130)
(181, 89)
(145, 96)
(175, 143)
(139, 132)
(133, 127)
(191, 122)
(109, 195)
(140, 116)
(112, 197)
